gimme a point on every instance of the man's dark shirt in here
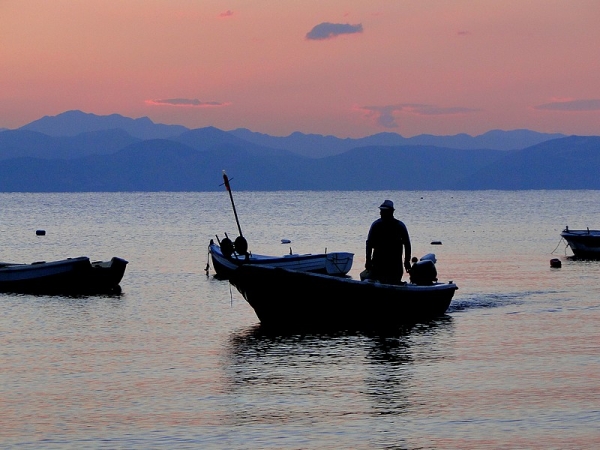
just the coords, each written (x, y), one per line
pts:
(387, 237)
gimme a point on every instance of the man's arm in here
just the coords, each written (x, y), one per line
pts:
(369, 249)
(368, 263)
(407, 248)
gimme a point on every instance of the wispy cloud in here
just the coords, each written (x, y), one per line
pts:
(385, 116)
(570, 105)
(227, 13)
(186, 102)
(464, 33)
(328, 30)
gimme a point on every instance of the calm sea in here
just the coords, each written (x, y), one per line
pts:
(180, 361)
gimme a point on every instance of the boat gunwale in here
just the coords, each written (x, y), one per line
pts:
(254, 258)
(405, 286)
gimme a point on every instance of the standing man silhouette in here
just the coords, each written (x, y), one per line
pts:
(387, 239)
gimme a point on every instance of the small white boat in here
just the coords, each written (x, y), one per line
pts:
(227, 256)
(584, 243)
(225, 262)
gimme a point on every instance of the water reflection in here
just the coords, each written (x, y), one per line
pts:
(338, 377)
(391, 362)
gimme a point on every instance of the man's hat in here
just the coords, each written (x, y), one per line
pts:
(387, 204)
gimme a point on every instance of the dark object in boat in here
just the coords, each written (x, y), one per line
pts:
(226, 259)
(436, 242)
(288, 299)
(585, 244)
(71, 276)
(40, 232)
(423, 273)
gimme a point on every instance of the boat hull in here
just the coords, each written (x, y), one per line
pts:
(583, 243)
(68, 276)
(289, 299)
(336, 263)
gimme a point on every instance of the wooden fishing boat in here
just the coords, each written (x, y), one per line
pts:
(584, 243)
(68, 276)
(287, 299)
(335, 263)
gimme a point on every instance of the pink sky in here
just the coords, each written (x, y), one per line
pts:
(348, 68)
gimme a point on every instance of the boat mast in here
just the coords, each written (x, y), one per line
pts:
(228, 187)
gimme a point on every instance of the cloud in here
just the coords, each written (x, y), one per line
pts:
(464, 33)
(188, 102)
(385, 115)
(328, 30)
(227, 13)
(570, 105)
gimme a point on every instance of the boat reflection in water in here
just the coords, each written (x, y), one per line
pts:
(333, 384)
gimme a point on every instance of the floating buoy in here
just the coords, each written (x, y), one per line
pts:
(40, 232)
(555, 263)
(436, 242)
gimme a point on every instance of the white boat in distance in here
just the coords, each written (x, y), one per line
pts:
(584, 243)
(335, 263)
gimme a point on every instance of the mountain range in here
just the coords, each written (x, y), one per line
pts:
(77, 151)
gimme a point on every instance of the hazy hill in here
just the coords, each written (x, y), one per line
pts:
(568, 163)
(401, 168)
(72, 123)
(205, 139)
(111, 159)
(24, 143)
(153, 165)
(318, 146)
(163, 165)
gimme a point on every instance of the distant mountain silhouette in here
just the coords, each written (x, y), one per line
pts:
(112, 159)
(567, 163)
(20, 143)
(164, 165)
(317, 146)
(72, 123)
(205, 139)
(153, 165)
(400, 168)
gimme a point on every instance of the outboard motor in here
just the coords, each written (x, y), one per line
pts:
(226, 247)
(424, 273)
(241, 246)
